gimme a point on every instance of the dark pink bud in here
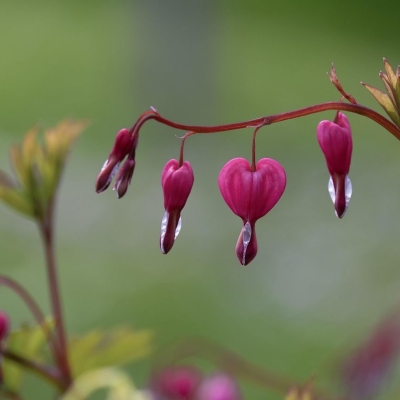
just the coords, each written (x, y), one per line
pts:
(251, 195)
(336, 143)
(122, 147)
(365, 371)
(176, 182)
(176, 383)
(4, 328)
(219, 387)
(124, 177)
(4, 325)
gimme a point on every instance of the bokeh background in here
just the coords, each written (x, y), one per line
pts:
(318, 285)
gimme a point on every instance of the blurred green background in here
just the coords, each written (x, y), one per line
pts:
(318, 284)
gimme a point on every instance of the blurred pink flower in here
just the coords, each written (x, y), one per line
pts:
(219, 387)
(366, 369)
(176, 383)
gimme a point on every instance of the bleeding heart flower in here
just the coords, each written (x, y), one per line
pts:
(122, 147)
(336, 143)
(176, 181)
(251, 195)
(175, 383)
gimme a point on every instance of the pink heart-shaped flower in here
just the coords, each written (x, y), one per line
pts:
(251, 195)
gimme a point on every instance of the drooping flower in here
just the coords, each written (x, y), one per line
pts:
(122, 147)
(176, 181)
(336, 143)
(219, 387)
(251, 195)
(176, 383)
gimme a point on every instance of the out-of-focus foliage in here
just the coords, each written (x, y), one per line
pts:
(38, 168)
(99, 349)
(27, 342)
(118, 383)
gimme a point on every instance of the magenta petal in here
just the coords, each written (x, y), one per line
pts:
(177, 182)
(251, 195)
(336, 143)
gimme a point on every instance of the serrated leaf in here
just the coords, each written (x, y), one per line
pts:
(119, 385)
(27, 342)
(105, 348)
(384, 100)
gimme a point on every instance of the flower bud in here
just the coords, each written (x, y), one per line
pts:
(219, 387)
(122, 147)
(124, 177)
(336, 143)
(176, 383)
(4, 325)
(4, 328)
(176, 182)
(251, 195)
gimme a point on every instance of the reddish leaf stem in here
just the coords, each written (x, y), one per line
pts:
(34, 308)
(42, 370)
(27, 299)
(47, 233)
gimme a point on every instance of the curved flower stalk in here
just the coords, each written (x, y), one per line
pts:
(336, 143)
(177, 182)
(251, 195)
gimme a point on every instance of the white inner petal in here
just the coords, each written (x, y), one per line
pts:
(164, 223)
(178, 227)
(348, 191)
(246, 237)
(113, 173)
(104, 165)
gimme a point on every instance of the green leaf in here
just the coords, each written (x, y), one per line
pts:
(27, 342)
(119, 385)
(106, 348)
(389, 89)
(390, 73)
(385, 101)
(38, 165)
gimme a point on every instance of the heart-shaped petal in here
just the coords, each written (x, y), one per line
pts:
(251, 194)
